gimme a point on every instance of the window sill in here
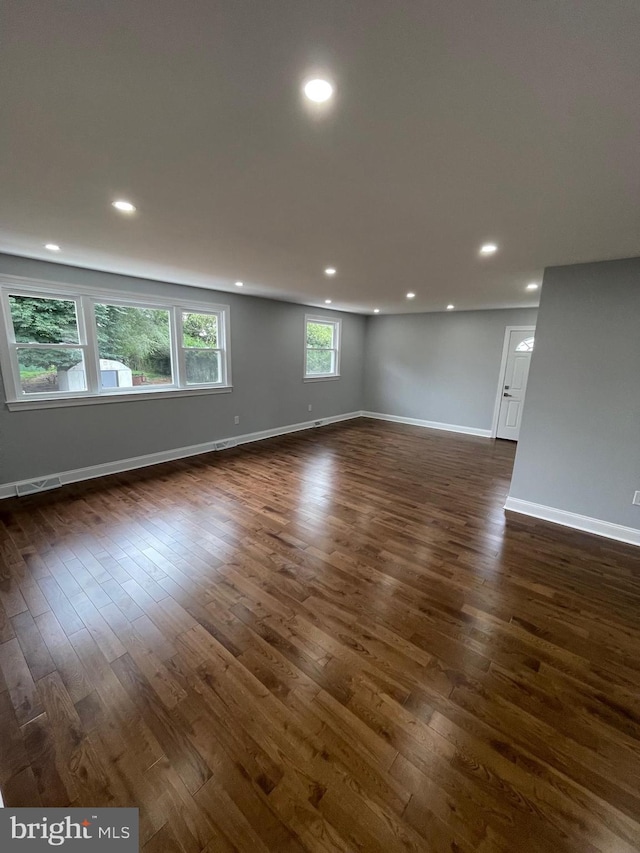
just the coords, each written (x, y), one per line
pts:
(320, 378)
(62, 402)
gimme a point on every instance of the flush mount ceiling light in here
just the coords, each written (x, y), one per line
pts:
(450, 307)
(532, 286)
(239, 284)
(376, 310)
(411, 295)
(330, 271)
(52, 247)
(124, 206)
(327, 302)
(318, 90)
(488, 249)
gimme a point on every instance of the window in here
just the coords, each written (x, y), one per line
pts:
(200, 347)
(525, 346)
(46, 344)
(134, 346)
(322, 348)
(67, 348)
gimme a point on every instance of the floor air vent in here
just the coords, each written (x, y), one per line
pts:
(36, 486)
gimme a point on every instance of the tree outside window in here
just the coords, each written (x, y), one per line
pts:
(322, 348)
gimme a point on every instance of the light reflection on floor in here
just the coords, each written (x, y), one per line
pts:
(316, 490)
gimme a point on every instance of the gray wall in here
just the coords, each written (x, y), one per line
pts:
(438, 367)
(267, 339)
(579, 447)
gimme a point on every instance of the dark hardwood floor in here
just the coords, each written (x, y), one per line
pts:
(334, 641)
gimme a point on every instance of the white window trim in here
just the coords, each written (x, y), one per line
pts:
(337, 324)
(85, 297)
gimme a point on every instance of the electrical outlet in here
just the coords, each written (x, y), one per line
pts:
(636, 499)
(310, 407)
(236, 420)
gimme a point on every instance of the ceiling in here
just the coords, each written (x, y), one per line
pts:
(454, 123)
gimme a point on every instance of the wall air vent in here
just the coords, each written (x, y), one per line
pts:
(36, 486)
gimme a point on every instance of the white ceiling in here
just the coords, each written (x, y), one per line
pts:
(454, 122)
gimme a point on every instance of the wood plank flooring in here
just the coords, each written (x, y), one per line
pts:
(334, 641)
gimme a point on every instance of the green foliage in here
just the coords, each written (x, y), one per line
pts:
(135, 336)
(45, 321)
(139, 337)
(320, 335)
(320, 342)
(200, 330)
(202, 366)
(319, 361)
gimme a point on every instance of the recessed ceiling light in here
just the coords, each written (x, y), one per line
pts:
(488, 249)
(532, 286)
(376, 310)
(124, 206)
(327, 302)
(318, 90)
(330, 271)
(52, 247)
(410, 295)
(450, 307)
(239, 284)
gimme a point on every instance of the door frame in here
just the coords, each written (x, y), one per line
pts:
(503, 370)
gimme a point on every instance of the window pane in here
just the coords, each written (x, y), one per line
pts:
(200, 330)
(320, 334)
(202, 366)
(49, 370)
(525, 346)
(134, 345)
(320, 362)
(44, 321)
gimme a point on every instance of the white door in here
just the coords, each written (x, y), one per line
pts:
(514, 385)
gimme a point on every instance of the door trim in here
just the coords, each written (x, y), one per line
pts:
(503, 370)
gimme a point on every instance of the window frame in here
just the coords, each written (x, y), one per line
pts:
(336, 348)
(86, 298)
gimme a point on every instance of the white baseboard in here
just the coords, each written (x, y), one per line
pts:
(597, 526)
(483, 433)
(9, 490)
